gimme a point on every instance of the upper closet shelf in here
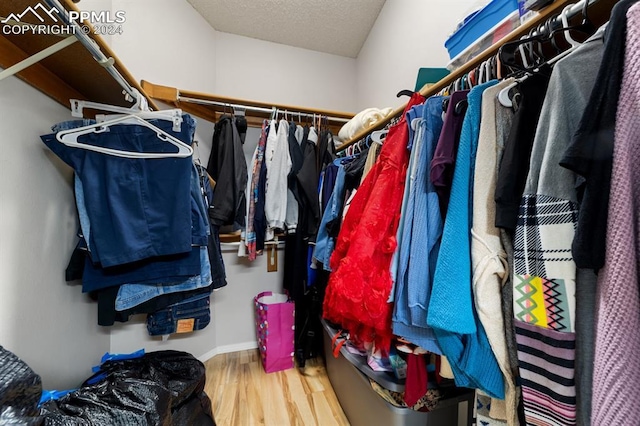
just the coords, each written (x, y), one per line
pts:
(599, 11)
(210, 107)
(85, 68)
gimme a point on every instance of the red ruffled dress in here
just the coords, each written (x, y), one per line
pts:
(358, 289)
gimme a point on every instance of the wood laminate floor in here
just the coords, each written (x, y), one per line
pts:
(242, 394)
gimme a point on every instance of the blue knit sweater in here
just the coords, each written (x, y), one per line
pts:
(451, 311)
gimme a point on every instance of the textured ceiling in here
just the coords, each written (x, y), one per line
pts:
(339, 27)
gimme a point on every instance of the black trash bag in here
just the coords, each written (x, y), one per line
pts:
(20, 390)
(163, 388)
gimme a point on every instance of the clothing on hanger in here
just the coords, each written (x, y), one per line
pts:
(360, 269)
(278, 164)
(514, 166)
(591, 152)
(121, 227)
(297, 160)
(617, 323)
(488, 258)
(124, 260)
(419, 235)
(228, 167)
(443, 162)
(254, 193)
(451, 311)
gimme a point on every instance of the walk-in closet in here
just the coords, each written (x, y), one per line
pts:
(371, 212)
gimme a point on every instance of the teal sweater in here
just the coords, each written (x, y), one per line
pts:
(451, 312)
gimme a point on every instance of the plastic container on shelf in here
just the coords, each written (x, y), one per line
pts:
(479, 24)
(508, 24)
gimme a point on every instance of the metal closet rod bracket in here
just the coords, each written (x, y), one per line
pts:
(92, 46)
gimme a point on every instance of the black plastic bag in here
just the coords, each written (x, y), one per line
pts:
(20, 390)
(159, 389)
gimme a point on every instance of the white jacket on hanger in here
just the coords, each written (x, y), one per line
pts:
(279, 164)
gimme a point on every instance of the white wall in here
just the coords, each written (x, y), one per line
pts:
(43, 320)
(166, 42)
(270, 72)
(408, 35)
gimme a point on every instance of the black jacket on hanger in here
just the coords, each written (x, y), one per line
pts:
(228, 167)
(307, 177)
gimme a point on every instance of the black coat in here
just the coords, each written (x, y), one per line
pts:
(228, 167)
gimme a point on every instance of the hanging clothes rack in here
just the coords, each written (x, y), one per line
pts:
(257, 109)
(211, 107)
(551, 12)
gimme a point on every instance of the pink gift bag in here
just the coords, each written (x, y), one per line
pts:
(275, 330)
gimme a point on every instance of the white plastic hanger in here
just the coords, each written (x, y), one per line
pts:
(487, 70)
(173, 115)
(140, 108)
(504, 97)
(70, 138)
(596, 35)
(565, 23)
(481, 74)
(523, 54)
(574, 44)
(379, 135)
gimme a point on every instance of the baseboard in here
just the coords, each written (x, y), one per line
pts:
(245, 346)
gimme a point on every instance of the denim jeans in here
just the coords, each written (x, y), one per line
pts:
(199, 215)
(138, 208)
(156, 270)
(200, 229)
(189, 315)
(131, 295)
(85, 225)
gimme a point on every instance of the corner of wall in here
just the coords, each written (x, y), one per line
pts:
(45, 321)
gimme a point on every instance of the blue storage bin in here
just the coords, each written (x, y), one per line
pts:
(478, 24)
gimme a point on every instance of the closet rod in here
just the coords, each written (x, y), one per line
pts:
(94, 49)
(34, 59)
(257, 109)
(520, 31)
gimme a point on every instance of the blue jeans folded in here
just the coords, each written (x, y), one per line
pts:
(156, 270)
(134, 294)
(189, 315)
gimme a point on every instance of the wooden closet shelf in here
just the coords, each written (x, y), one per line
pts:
(177, 98)
(69, 73)
(598, 13)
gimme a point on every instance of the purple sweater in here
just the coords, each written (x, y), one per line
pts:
(616, 378)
